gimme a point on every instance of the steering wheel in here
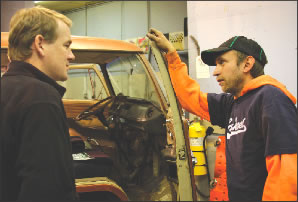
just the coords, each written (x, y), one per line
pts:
(87, 112)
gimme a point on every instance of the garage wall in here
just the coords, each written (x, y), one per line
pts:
(129, 19)
(134, 19)
(105, 21)
(8, 9)
(78, 23)
(273, 24)
(168, 16)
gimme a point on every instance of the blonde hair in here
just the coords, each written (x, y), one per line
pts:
(28, 23)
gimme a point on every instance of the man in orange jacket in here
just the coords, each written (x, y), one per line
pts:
(257, 111)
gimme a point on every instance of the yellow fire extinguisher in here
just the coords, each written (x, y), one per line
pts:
(196, 139)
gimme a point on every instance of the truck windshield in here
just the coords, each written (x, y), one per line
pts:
(129, 78)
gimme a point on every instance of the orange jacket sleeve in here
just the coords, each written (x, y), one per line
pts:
(281, 183)
(187, 90)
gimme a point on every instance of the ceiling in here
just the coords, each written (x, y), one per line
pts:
(64, 6)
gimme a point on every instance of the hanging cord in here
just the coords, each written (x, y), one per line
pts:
(209, 131)
(195, 41)
(202, 194)
(92, 84)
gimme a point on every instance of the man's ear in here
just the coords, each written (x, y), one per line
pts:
(249, 63)
(38, 45)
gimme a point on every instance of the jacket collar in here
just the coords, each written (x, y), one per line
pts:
(23, 68)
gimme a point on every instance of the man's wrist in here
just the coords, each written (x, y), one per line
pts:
(171, 50)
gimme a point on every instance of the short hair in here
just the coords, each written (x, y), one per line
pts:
(256, 70)
(26, 24)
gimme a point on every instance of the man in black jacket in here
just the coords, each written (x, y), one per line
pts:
(35, 150)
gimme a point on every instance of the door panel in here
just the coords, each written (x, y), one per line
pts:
(184, 167)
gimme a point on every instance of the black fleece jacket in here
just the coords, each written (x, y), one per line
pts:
(35, 150)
